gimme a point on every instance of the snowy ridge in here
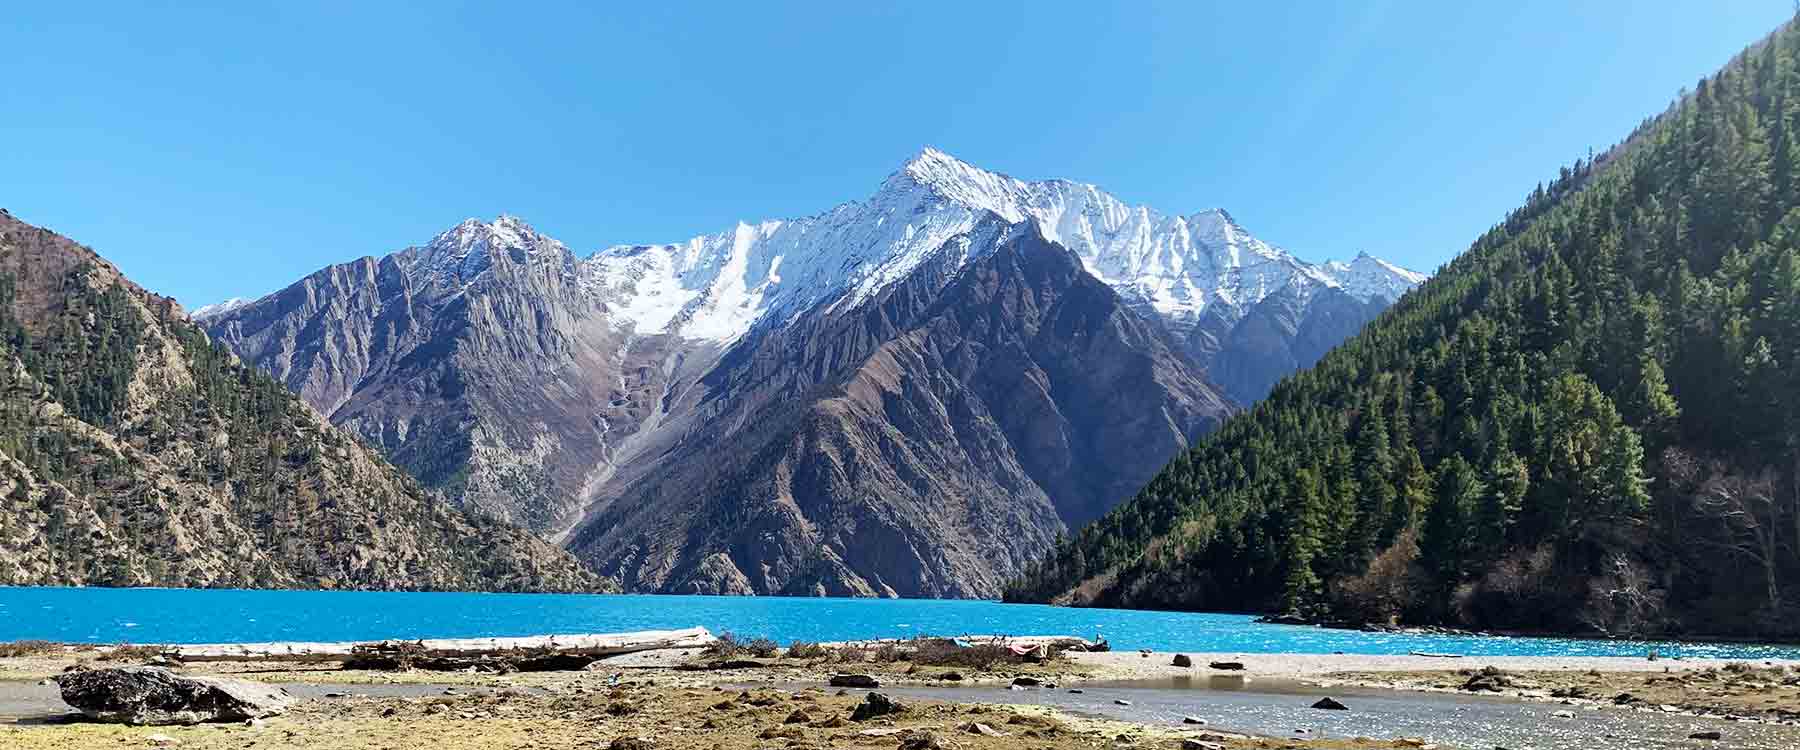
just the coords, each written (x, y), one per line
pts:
(218, 308)
(717, 287)
(465, 251)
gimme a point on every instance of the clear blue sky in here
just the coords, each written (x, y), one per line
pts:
(224, 151)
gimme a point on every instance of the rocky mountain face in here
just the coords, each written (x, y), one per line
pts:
(134, 452)
(928, 441)
(785, 407)
(478, 362)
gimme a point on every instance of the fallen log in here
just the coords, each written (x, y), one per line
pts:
(1061, 642)
(552, 648)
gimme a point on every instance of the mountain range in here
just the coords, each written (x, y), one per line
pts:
(912, 394)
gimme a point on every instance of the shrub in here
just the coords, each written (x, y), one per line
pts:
(761, 648)
(805, 650)
(944, 652)
(128, 652)
(28, 648)
(725, 646)
(850, 655)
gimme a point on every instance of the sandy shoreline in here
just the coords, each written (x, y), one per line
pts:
(660, 695)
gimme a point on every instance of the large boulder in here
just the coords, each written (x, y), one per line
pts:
(853, 681)
(876, 705)
(154, 695)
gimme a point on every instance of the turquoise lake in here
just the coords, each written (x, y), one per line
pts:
(229, 616)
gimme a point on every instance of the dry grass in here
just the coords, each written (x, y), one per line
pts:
(729, 645)
(805, 650)
(16, 649)
(128, 652)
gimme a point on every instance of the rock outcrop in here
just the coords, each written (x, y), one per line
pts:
(157, 696)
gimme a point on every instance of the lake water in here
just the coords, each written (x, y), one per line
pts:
(230, 616)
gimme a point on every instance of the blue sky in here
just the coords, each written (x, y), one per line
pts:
(220, 151)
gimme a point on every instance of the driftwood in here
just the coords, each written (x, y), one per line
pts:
(1058, 642)
(500, 654)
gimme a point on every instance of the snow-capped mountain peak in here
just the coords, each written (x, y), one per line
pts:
(720, 286)
(463, 252)
(218, 308)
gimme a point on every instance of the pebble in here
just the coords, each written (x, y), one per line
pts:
(162, 740)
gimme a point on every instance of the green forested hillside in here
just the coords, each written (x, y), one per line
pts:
(1589, 421)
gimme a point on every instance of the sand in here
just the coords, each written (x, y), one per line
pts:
(646, 695)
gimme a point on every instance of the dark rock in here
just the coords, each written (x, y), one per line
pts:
(1192, 720)
(853, 681)
(1182, 660)
(631, 743)
(1710, 734)
(922, 740)
(1076, 691)
(1229, 666)
(876, 705)
(1488, 679)
(951, 676)
(1121, 702)
(797, 717)
(1330, 704)
(1624, 699)
(1027, 681)
(154, 695)
(1286, 618)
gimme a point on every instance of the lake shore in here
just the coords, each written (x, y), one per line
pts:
(668, 695)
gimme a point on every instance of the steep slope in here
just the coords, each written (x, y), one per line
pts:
(925, 442)
(477, 362)
(134, 453)
(1589, 422)
(496, 366)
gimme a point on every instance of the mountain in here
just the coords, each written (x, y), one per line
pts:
(481, 363)
(1225, 295)
(135, 452)
(1588, 422)
(570, 394)
(925, 442)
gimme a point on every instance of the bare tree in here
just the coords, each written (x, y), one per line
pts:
(1745, 506)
